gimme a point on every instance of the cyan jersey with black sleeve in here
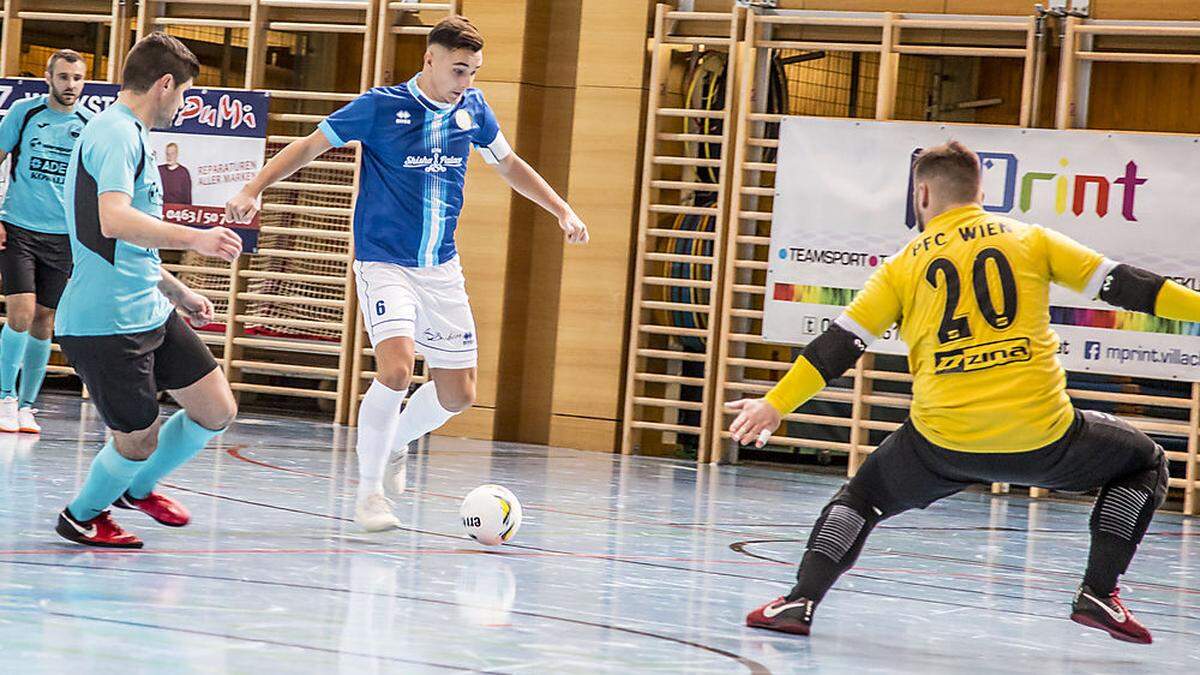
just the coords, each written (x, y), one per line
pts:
(114, 287)
(39, 141)
(414, 167)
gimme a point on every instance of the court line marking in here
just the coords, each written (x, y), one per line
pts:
(237, 454)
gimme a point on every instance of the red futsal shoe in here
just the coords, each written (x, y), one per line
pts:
(160, 507)
(1108, 614)
(783, 615)
(99, 531)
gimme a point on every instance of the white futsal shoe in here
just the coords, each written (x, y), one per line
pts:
(10, 421)
(27, 422)
(374, 513)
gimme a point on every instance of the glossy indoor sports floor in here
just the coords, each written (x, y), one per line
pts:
(622, 565)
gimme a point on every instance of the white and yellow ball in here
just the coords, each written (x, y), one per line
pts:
(491, 515)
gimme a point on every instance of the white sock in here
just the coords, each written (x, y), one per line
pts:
(422, 414)
(377, 420)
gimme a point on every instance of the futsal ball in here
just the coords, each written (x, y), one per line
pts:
(491, 515)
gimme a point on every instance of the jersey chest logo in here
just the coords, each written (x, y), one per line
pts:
(434, 162)
(982, 357)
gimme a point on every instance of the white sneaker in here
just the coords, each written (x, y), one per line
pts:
(9, 420)
(374, 513)
(27, 422)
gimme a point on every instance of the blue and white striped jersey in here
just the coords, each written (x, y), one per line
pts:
(414, 166)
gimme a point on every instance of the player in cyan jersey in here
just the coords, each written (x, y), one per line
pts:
(37, 135)
(971, 294)
(416, 138)
(117, 322)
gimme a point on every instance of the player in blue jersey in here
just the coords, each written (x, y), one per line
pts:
(416, 138)
(117, 320)
(37, 135)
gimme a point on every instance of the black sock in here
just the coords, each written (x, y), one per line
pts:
(1108, 559)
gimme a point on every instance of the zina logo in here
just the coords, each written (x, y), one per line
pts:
(1020, 189)
(982, 357)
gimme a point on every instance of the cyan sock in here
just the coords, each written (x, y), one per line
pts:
(179, 440)
(12, 353)
(33, 370)
(107, 480)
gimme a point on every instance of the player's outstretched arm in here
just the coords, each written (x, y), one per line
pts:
(825, 359)
(120, 220)
(1140, 290)
(242, 207)
(522, 178)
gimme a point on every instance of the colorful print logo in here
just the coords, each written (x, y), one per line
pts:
(1021, 189)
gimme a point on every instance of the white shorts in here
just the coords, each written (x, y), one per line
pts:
(427, 304)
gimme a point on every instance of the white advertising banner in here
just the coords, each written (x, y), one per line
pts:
(842, 208)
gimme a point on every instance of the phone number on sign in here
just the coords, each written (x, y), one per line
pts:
(211, 216)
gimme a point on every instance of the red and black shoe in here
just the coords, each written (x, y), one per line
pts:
(1108, 614)
(783, 615)
(160, 507)
(99, 531)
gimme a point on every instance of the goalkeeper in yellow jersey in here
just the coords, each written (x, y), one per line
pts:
(971, 294)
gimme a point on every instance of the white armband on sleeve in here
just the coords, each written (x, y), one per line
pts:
(1096, 283)
(496, 151)
(851, 326)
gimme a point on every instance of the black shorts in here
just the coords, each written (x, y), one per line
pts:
(124, 373)
(907, 471)
(35, 262)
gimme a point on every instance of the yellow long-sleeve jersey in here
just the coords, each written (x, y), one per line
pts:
(971, 295)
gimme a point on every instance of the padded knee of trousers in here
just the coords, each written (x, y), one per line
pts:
(842, 526)
(1153, 480)
(861, 504)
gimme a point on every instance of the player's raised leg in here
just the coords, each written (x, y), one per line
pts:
(453, 392)
(1132, 470)
(445, 336)
(208, 409)
(448, 392)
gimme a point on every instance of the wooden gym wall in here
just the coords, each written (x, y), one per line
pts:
(566, 81)
(1162, 55)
